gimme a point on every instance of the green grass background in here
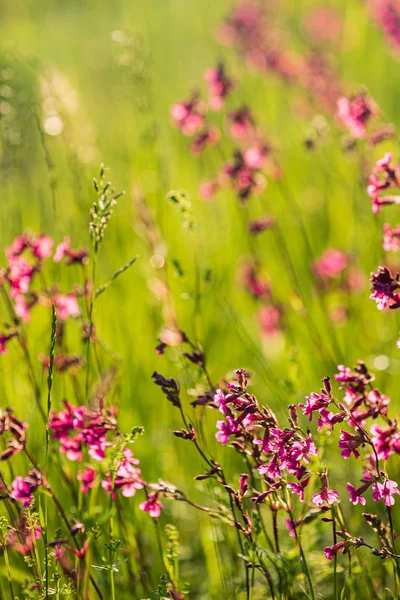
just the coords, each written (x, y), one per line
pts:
(324, 187)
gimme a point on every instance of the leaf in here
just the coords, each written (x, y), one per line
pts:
(103, 287)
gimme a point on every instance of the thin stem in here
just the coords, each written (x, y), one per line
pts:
(90, 326)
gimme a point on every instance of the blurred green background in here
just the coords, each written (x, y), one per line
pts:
(114, 105)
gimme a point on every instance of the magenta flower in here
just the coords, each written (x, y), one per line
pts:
(385, 491)
(325, 495)
(152, 505)
(255, 157)
(386, 441)
(87, 479)
(208, 189)
(127, 477)
(384, 289)
(22, 488)
(42, 246)
(314, 403)
(64, 250)
(387, 16)
(329, 419)
(4, 339)
(391, 238)
(330, 551)
(67, 306)
(188, 116)
(243, 484)
(349, 442)
(207, 137)
(219, 86)
(241, 123)
(383, 177)
(77, 427)
(331, 264)
(226, 429)
(298, 488)
(356, 494)
(269, 318)
(355, 112)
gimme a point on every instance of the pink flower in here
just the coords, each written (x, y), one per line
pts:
(269, 318)
(329, 419)
(385, 491)
(387, 16)
(325, 494)
(349, 443)
(386, 441)
(127, 477)
(314, 403)
(219, 86)
(241, 123)
(384, 289)
(383, 177)
(330, 551)
(152, 505)
(4, 339)
(226, 429)
(23, 488)
(331, 264)
(356, 494)
(355, 113)
(63, 249)
(208, 137)
(243, 484)
(187, 116)
(289, 526)
(42, 246)
(87, 479)
(67, 306)
(391, 238)
(208, 189)
(87, 428)
(21, 306)
(255, 157)
(298, 488)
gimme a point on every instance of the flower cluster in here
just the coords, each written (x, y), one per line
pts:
(383, 177)
(25, 258)
(386, 14)
(384, 289)
(251, 154)
(16, 431)
(79, 428)
(356, 112)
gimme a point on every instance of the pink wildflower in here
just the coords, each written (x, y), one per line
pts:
(391, 238)
(356, 494)
(299, 488)
(87, 479)
(219, 86)
(127, 477)
(22, 488)
(384, 289)
(330, 551)
(355, 112)
(67, 306)
(331, 264)
(188, 116)
(385, 491)
(325, 495)
(152, 505)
